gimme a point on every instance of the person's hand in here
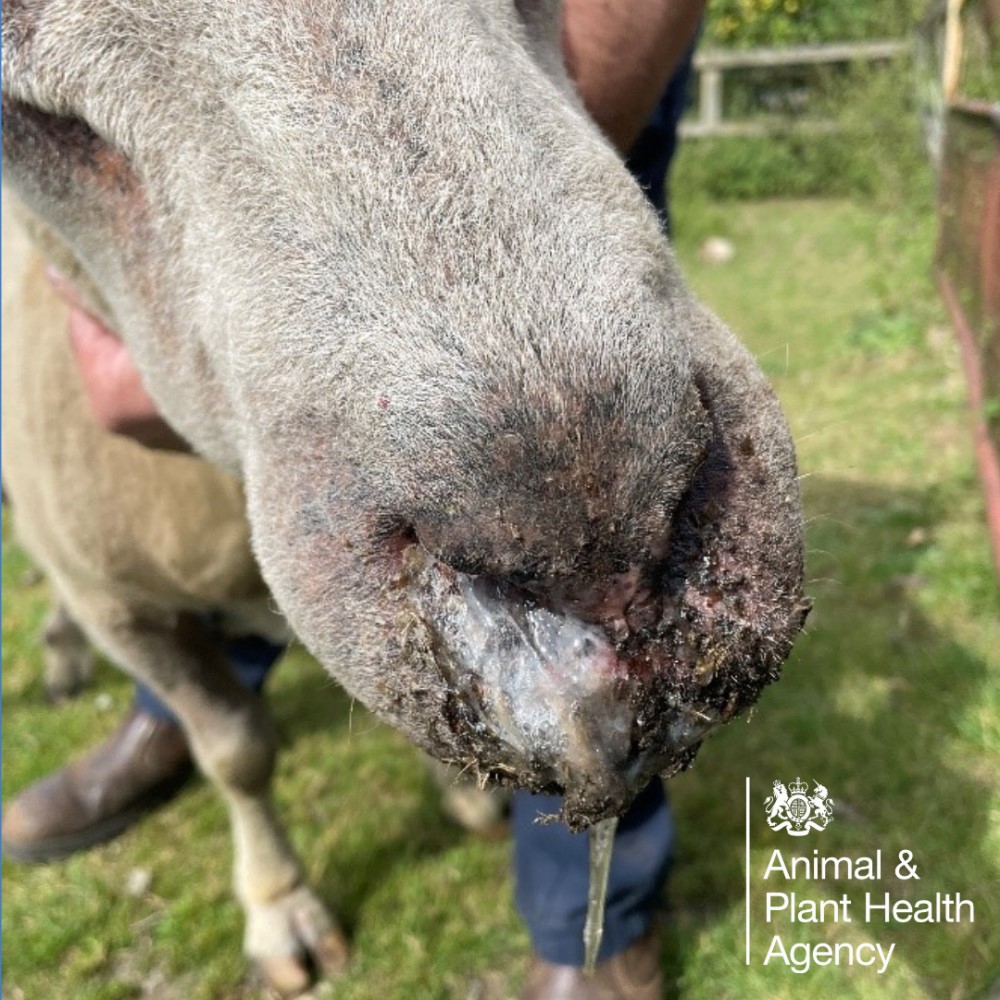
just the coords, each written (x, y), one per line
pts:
(115, 392)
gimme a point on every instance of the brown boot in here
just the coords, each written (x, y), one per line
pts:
(633, 974)
(143, 763)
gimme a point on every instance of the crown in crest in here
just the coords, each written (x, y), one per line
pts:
(798, 786)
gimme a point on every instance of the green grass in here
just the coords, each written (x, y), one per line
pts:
(892, 700)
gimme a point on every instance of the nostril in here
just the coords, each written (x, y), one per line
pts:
(457, 546)
(398, 536)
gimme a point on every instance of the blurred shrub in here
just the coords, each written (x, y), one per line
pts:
(792, 165)
(749, 23)
(877, 149)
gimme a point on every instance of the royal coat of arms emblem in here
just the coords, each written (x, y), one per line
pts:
(798, 810)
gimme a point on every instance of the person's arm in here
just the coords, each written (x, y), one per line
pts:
(621, 54)
(116, 395)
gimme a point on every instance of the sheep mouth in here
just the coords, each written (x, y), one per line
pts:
(591, 684)
(542, 698)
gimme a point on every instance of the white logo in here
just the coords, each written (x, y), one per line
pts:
(798, 810)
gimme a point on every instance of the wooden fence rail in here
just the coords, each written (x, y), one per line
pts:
(711, 66)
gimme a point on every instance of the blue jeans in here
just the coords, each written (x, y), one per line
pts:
(551, 865)
(551, 875)
(251, 658)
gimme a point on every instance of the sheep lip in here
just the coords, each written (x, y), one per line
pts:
(590, 690)
(554, 702)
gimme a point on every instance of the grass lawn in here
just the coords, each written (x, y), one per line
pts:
(892, 700)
